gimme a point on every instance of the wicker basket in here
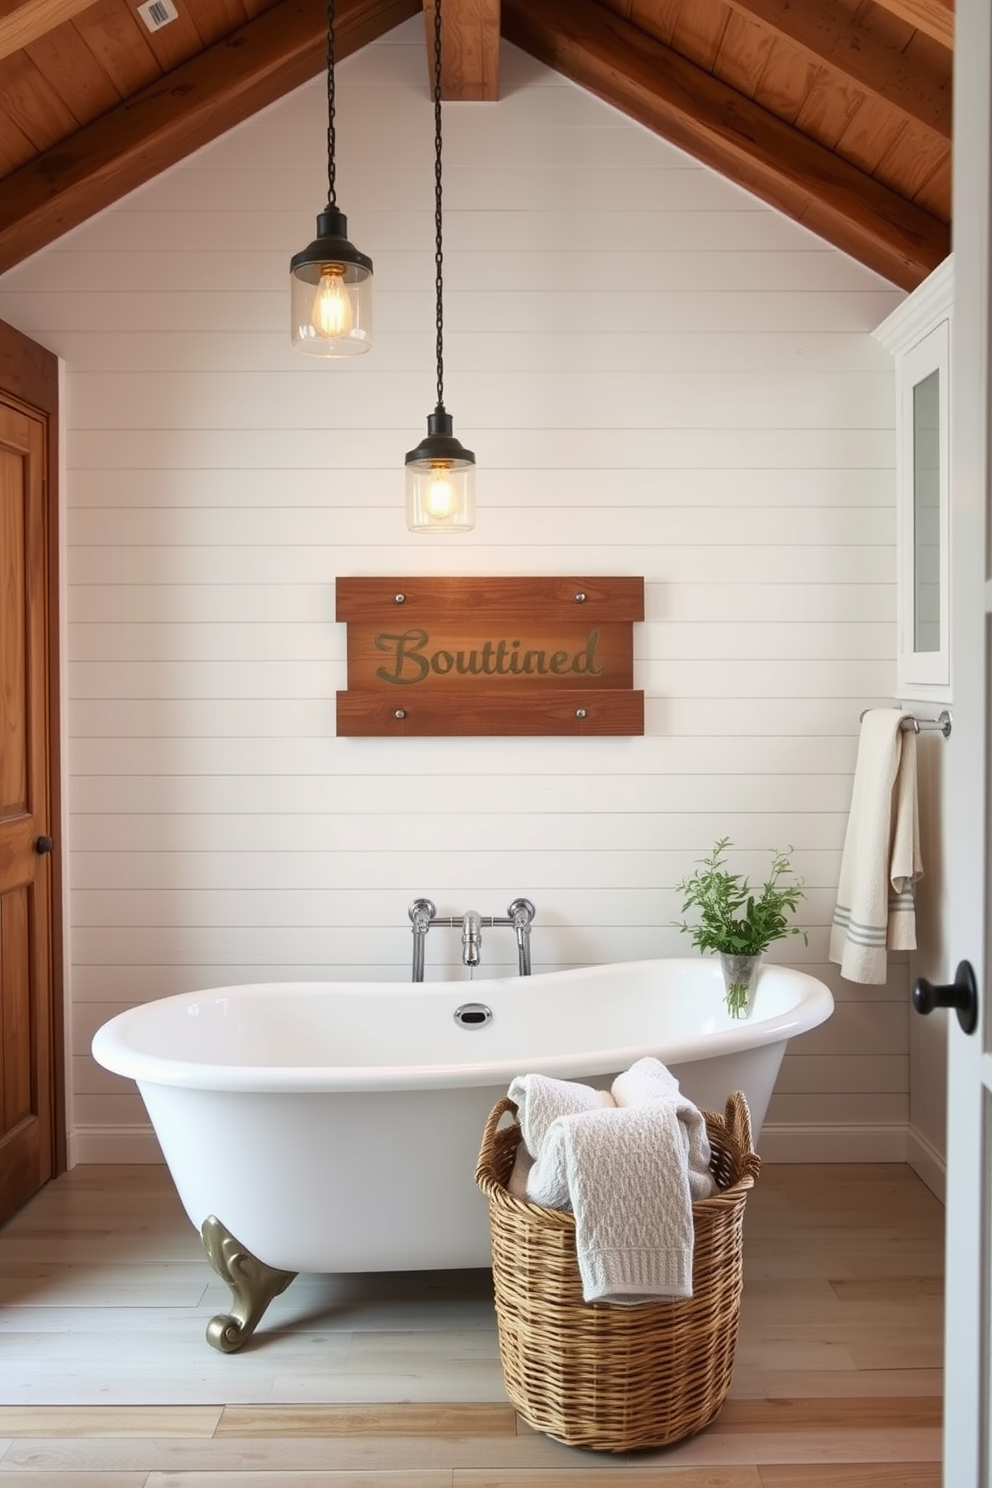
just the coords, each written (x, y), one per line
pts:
(614, 1378)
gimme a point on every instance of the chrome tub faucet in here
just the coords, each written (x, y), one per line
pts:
(423, 914)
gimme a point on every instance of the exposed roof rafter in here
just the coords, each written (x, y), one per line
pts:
(24, 21)
(828, 33)
(220, 87)
(469, 49)
(688, 106)
(933, 17)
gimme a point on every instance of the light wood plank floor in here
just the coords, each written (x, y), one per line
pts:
(106, 1380)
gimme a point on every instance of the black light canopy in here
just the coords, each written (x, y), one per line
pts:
(330, 280)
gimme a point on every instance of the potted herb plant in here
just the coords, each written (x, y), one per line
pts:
(737, 922)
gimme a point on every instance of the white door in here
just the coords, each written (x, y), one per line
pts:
(967, 1332)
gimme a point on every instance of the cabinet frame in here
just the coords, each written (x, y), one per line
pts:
(918, 334)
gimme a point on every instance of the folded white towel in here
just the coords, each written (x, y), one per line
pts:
(630, 1171)
(881, 860)
(647, 1079)
(629, 1188)
(540, 1101)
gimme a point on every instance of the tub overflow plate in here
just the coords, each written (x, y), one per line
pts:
(473, 1015)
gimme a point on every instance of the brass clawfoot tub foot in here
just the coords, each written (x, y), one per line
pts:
(253, 1283)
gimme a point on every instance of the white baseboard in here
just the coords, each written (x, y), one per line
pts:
(114, 1144)
(927, 1163)
(832, 1144)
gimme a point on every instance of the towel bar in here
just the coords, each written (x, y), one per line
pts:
(941, 724)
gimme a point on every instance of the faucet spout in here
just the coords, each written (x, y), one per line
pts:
(471, 937)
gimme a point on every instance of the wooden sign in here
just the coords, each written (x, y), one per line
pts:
(430, 656)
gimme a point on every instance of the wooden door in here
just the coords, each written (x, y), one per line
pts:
(31, 1100)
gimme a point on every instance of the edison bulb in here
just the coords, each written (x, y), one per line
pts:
(440, 500)
(332, 312)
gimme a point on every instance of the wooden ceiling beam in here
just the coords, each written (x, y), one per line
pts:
(189, 107)
(23, 21)
(679, 101)
(933, 17)
(469, 49)
(827, 32)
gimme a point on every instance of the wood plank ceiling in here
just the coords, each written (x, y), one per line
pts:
(837, 112)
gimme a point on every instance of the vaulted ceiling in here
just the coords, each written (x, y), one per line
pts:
(837, 112)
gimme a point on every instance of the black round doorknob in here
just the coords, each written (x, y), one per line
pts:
(43, 845)
(962, 995)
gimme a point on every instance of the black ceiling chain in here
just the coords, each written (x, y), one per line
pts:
(438, 252)
(331, 183)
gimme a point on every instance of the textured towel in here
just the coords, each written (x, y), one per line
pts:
(540, 1101)
(650, 1080)
(628, 1183)
(629, 1171)
(647, 1079)
(881, 862)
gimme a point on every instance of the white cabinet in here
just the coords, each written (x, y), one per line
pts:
(919, 336)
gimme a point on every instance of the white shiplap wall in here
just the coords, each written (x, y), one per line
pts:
(693, 395)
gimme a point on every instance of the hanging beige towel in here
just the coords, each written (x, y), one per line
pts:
(875, 906)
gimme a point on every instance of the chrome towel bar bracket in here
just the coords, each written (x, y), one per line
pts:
(941, 724)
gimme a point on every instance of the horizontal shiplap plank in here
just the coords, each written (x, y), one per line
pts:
(604, 899)
(718, 351)
(313, 946)
(125, 984)
(282, 526)
(551, 272)
(134, 983)
(258, 565)
(804, 1074)
(392, 794)
(738, 227)
(723, 677)
(382, 448)
(326, 642)
(661, 310)
(673, 183)
(120, 1107)
(758, 488)
(519, 398)
(251, 832)
(867, 1109)
(872, 1029)
(565, 939)
(844, 607)
(538, 849)
(254, 719)
(701, 755)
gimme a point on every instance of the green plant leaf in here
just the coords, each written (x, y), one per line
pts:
(733, 918)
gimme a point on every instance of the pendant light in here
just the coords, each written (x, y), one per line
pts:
(331, 281)
(440, 472)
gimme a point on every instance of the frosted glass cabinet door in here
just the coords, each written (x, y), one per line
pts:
(923, 529)
(918, 334)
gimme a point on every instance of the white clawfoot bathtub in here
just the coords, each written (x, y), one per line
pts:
(335, 1126)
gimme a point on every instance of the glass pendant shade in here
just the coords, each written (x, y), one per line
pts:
(440, 481)
(331, 292)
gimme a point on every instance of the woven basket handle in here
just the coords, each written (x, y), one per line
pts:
(738, 1118)
(483, 1167)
